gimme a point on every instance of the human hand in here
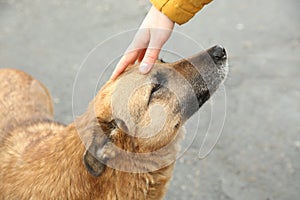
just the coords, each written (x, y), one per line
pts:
(147, 43)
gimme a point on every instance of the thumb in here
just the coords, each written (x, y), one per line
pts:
(149, 59)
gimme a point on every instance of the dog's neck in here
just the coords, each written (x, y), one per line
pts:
(112, 183)
(59, 150)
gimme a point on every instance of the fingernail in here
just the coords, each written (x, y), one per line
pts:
(145, 68)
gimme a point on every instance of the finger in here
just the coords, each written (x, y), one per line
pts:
(126, 60)
(141, 55)
(149, 59)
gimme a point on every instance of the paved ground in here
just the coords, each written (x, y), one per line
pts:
(257, 156)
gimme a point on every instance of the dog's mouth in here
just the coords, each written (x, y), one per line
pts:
(195, 78)
(211, 74)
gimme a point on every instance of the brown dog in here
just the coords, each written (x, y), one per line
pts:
(123, 147)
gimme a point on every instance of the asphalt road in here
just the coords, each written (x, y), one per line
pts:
(258, 154)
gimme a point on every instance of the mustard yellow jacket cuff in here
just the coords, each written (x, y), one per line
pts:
(179, 11)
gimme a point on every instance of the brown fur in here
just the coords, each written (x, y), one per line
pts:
(43, 159)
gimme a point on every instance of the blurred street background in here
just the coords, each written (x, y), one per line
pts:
(258, 154)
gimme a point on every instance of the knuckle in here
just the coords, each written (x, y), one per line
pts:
(150, 57)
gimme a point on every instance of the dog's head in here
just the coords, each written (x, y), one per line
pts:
(143, 113)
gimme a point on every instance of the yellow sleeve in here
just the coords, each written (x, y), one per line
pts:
(179, 11)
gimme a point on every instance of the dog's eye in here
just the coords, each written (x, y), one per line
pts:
(155, 88)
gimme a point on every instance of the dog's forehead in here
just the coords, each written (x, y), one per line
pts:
(160, 77)
(158, 72)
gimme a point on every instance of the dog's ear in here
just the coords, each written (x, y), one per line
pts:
(94, 166)
(96, 136)
(99, 150)
(92, 162)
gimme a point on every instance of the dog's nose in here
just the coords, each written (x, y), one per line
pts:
(217, 53)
